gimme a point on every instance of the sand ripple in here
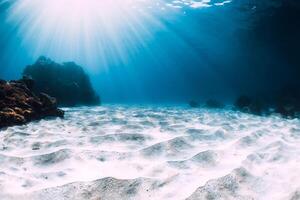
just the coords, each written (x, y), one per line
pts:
(123, 152)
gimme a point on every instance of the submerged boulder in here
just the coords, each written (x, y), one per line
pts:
(19, 105)
(67, 82)
(288, 102)
(193, 104)
(249, 105)
(212, 103)
(243, 103)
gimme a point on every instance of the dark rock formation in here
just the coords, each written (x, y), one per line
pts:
(211, 103)
(249, 105)
(193, 104)
(243, 103)
(67, 82)
(288, 102)
(19, 105)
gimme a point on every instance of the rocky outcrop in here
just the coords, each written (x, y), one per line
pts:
(212, 103)
(250, 105)
(286, 103)
(193, 104)
(19, 105)
(67, 82)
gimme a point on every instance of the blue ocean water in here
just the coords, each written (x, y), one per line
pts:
(158, 51)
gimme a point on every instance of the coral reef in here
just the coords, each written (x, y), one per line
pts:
(19, 105)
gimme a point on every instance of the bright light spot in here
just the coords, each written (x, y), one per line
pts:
(105, 30)
(67, 29)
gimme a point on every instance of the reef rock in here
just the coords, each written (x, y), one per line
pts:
(193, 104)
(288, 102)
(249, 105)
(67, 82)
(212, 103)
(19, 105)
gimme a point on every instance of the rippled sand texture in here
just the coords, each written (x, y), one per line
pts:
(117, 152)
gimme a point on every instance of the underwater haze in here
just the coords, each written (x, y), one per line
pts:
(158, 51)
(152, 64)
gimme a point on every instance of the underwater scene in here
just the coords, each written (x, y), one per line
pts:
(149, 99)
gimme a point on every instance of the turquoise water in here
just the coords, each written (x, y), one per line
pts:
(157, 51)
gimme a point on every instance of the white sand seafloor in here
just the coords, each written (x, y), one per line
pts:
(135, 152)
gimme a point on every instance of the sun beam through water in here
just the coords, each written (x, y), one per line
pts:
(81, 27)
(109, 30)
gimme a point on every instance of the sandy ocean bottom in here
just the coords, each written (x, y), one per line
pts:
(134, 152)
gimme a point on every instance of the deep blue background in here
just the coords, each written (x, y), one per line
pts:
(220, 52)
